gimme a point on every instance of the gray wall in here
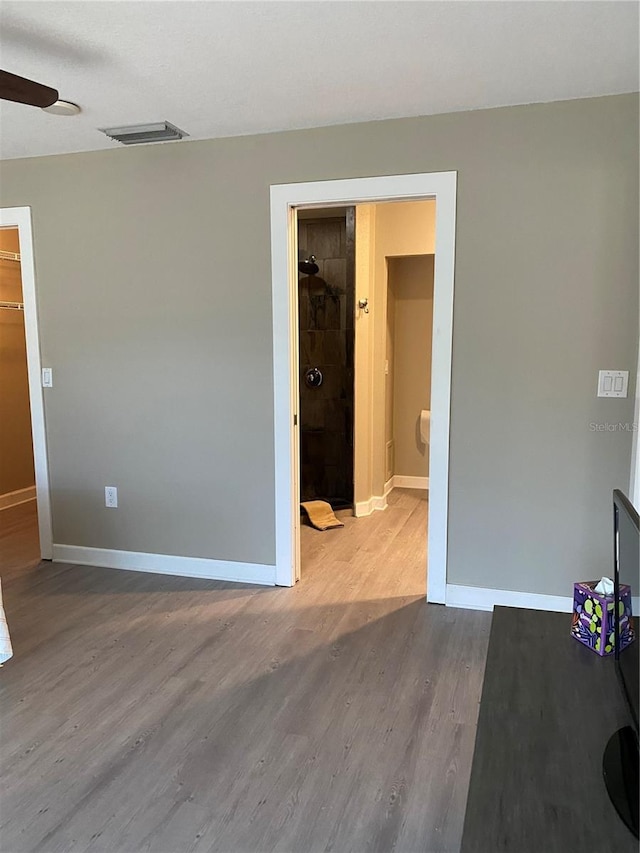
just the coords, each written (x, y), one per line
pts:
(153, 270)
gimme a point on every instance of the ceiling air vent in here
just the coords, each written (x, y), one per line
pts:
(138, 134)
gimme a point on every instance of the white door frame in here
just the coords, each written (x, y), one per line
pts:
(20, 218)
(634, 484)
(285, 198)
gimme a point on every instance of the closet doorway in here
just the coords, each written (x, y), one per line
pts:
(25, 516)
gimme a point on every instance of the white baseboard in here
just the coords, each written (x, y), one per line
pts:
(166, 564)
(402, 482)
(481, 598)
(362, 508)
(20, 496)
(379, 502)
(375, 502)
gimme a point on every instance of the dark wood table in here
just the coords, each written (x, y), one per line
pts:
(548, 708)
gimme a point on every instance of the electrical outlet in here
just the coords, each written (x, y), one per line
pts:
(111, 496)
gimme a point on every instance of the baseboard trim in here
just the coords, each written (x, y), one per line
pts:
(362, 509)
(402, 482)
(481, 598)
(166, 564)
(379, 502)
(20, 496)
(375, 502)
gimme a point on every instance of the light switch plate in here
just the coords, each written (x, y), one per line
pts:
(47, 377)
(613, 383)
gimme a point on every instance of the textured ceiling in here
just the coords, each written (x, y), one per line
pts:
(231, 68)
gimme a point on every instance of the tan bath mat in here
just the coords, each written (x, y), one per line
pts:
(321, 515)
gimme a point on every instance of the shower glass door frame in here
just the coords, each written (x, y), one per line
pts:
(285, 199)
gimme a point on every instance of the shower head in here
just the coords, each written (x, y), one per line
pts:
(308, 266)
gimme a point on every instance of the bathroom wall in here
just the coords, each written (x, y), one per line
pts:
(326, 342)
(383, 231)
(16, 450)
(411, 293)
(363, 349)
(401, 228)
(390, 379)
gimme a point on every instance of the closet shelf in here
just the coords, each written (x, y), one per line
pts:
(12, 306)
(9, 256)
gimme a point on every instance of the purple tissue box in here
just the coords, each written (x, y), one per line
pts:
(593, 617)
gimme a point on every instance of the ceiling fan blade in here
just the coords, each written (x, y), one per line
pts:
(23, 91)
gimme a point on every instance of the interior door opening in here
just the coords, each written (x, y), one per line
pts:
(25, 501)
(286, 201)
(365, 325)
(21, 542)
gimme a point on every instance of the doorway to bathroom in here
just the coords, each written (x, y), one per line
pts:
(286, 203)
(365, 308)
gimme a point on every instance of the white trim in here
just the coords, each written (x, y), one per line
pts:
(375, 503)
(402, 482)
(362, 509)
(284, 199)
(166, 564)
(634, 480)
(481, 598)
(379, 502)
(20, 496)
(20, 218)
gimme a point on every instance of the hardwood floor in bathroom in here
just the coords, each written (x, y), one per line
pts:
(153, 713)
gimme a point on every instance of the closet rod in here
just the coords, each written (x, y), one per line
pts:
(12, 306)
(9, 256)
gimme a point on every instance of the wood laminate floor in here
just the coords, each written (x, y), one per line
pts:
(151, 713)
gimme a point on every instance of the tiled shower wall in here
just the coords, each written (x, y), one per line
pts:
(326, 313)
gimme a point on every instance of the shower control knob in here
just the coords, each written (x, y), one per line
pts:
(313, 377)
